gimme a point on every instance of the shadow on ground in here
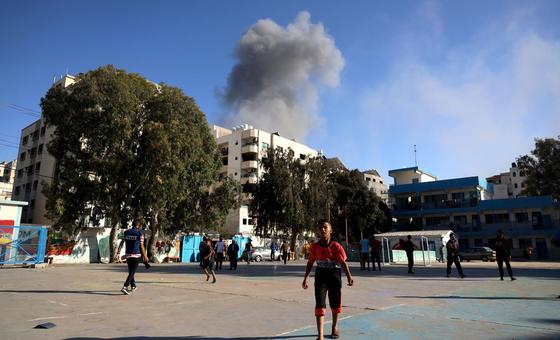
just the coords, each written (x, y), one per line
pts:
(200, 337)
(47, 291)
(536, 298)
(277, 269)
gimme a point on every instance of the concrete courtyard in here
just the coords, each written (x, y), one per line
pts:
(266, 301)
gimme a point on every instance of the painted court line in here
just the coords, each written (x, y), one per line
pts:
(312, 326)
(48, 318)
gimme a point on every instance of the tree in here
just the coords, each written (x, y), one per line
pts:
(127, 148)
(542, 168)
(355, 205)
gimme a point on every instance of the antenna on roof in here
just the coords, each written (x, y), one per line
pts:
(67, 70)
(415, 161)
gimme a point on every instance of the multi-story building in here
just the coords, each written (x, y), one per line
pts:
(465, 205)
(242, 148)
(508, 184)
(375, 182)
(7, 176)
(35, 167)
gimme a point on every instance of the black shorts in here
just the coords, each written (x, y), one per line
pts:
(328, 280)
(207, 264)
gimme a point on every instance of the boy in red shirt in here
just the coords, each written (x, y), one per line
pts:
(330, 257)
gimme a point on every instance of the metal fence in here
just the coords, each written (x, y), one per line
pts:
(22, 244)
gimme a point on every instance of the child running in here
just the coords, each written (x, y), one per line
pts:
(330, 257)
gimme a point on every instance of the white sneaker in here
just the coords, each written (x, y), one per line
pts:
(124, 291)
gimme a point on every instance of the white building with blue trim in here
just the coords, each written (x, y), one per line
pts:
(465, 205)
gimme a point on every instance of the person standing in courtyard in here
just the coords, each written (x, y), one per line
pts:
(207, 254)
(134, 253)
(453, 256)
(330, 258)
(273, 249)
(233, 251)
(502, 248)
(409, 247)
(375, 252)
(249, 250)
(364, 254)
(285, 251)
(220, 247)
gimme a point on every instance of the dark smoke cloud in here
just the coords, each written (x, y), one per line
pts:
(274, 84)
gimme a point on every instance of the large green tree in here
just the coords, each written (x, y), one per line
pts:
(542, 168)
(126, 147)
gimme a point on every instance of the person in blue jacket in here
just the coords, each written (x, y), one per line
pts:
(134, 253)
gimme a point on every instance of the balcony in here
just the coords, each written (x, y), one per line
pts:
(251, 133)
(247, 165)
(444, 204)
(249, 179)
(250, 148)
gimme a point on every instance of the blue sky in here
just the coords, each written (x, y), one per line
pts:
(470, 83)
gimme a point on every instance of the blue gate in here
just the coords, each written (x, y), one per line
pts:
(190, 251)
(22, 244)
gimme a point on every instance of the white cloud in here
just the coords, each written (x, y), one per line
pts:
(476, 109)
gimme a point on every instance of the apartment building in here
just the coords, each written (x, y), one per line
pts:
(35, 167)
(7, 177)
(242, 148)
(508, 184)
(376, 183)
(466, 206)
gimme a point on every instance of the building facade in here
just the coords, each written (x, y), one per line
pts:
(377, 184)
(242, 148)
(466, 206)
(7, 178)
(508, 184)
(35, 167)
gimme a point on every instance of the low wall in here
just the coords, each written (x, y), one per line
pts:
(399, 256)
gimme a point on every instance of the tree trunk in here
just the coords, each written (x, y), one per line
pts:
(112, 238)
(154, 227)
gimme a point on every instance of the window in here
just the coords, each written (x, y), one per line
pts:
(35, 135)
(460, 219)
(43, 131)
(522, 217)
(235, 158)
(514, 174)
(250, 221)
(373, 179)
(368, 179)
(35, 184)
(37, 166)
(29, 170)
(458, 195)
(496, 218)
(381, 182)
(415, 180)
(31, 204)
(22, 156)
(515, 185)
(40, 149)
(24, 140)
(523, 184)
(264, 145)
(28, 187)
(17, 190)
(302, 156)
(244, 221)
(33, 152)
(20, 173)
(236, 142)
(521, 173)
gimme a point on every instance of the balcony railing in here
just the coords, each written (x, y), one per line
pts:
(447, 204)
(250, 148)
(249, 165)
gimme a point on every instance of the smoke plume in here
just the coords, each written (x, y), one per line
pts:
(274, 85)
